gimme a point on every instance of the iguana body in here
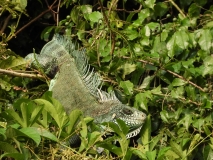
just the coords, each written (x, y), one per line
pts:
(76, 87)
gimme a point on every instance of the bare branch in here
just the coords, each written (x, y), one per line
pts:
(33, 20)
(176, 6)
(5, 24)
(173, 73)
(19, 74)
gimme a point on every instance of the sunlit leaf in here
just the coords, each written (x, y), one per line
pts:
(95, 16)
(127, 86)
(32, 133)
(205, 40)
(178, 82)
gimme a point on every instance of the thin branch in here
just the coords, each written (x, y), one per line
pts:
(57, 22)
(113, 45)
(113, 2)
(176, 6)
(5, 24)
(104, 14)
(33, 20)
(124, 10)
(173, 73)
(18, 74)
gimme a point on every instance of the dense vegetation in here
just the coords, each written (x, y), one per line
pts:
(155, 54)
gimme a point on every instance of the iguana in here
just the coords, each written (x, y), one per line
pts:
(77, 87)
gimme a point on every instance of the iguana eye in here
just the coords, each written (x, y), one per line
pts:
(127, 111)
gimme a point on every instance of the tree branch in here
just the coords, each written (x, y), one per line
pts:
(33, 20)
(173, 73)
(5, 24)
(176, 6)
(18, 74)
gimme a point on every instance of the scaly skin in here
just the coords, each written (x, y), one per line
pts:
(76, 88)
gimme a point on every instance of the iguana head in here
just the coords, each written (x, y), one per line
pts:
(132, 117)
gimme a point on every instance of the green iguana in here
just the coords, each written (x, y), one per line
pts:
(76, 87)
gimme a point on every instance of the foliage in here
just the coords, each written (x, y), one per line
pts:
(158, 56)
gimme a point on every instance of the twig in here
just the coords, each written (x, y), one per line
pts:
(96, 38)
(173, 73)
(5, 24)
(113, 45)
(57, 22)
(176, 6)
(104, 14)
(18, 74)
(124, 10)
(111, 5)
(33, 20)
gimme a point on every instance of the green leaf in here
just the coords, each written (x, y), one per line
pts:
(86, 10)
(208, 66)
(127, 86)
(198, 124)
(13, 63)
(5, 84)
(4, 146)
(44, 133)
(20, 5)
(182, 39)
(144, 13)
(146, 82)
(150, 3)
(155, 140)
(74, 117)
(84, 139)
(151, 155)
(160, 9)
(195, 140)
(16, 117)
(16, 156)
(141, 101)
(95, 16)
(176, 148)
(188, 64)
(178, 82)
(115, 128)
(93, 138)
(131, 34)
(162, 152)
(127, 68)
(171, 155)
(186, 120)
(205, 40)
(146, 32)
(209, 24)
(156, 90)
(146, 133)
(194, 10)
(2, 132)
(171, 46)
(112, 148)
(177, 67)
(164, 116)
(122, 125)
(207, 152)
(75, 14)
(32, 133)
(177, 92)
(57, 113)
